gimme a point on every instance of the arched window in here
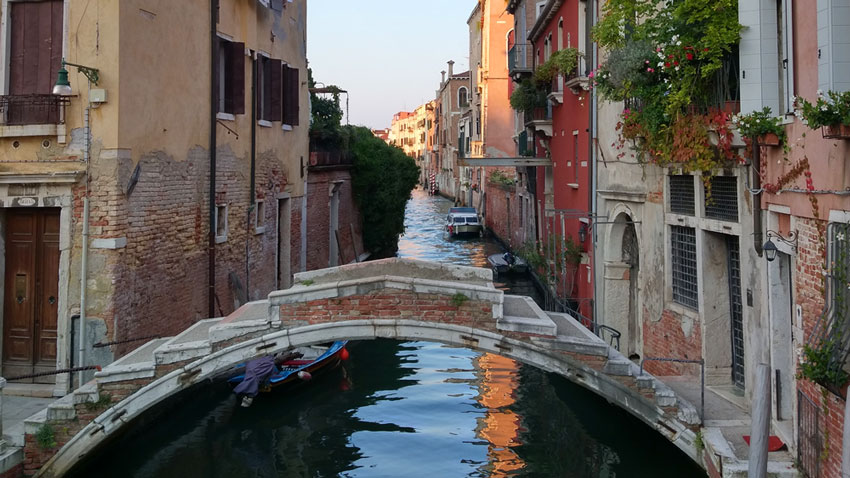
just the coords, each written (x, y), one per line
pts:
(462, 97)
(561, 34)
(548, 46)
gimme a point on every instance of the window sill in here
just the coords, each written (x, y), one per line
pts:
(682, 310)
(286, 127)
(573, 185)
(13, 131)
(264, 123)
(220, 239)
(260, 230)
(225, 116)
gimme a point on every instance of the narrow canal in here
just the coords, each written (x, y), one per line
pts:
(402, 409)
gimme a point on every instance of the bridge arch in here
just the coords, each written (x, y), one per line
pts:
(115, 419)
(393, 299)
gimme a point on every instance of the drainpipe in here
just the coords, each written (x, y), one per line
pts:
(213, 109)
(758, 234)
(84, 268)
(592, 121)
(251, 198)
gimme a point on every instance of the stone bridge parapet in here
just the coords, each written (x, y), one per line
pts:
(397, 299)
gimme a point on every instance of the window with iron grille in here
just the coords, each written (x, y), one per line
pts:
(684, 261)
(721, 201)
(682, 194)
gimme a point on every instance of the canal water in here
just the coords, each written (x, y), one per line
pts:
(401, 409)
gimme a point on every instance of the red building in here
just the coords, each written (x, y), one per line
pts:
(561, 132)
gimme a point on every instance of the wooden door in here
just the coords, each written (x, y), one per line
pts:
(31, 293)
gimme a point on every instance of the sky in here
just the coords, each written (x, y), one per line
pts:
(387, 54)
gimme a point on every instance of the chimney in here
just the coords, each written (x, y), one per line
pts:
(444, 77)
(451, 68)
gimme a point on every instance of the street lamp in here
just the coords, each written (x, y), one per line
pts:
(582, 233)
(63, 86)
(769, 247)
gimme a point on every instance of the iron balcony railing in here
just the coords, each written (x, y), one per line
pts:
(542, 114)
(32, 109)
(519, 59)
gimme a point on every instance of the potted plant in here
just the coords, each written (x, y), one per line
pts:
(831, 113)
(762, 125)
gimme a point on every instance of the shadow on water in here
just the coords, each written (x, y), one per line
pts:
(400, 409)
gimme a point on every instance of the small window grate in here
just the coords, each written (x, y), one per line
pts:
(682, 194)
(684, 261)
(722, 201)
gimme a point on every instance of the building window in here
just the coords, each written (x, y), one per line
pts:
(34, 55)
(220, 223)
(721, 202)
(462, 98)
(231, 77)
(684, 262)
(682, 194)
(575, 155)
(260, 217)
(838, 278)
(561, 34)
(269, 89)
(291, 95)
(785, 24)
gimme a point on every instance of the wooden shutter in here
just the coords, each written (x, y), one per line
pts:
(35, 54)
(290, 96)
(275, 82)
(234, 78)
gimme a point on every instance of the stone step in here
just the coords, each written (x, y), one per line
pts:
(192, 343)
(521, 314)
(618, 367)
(251, 317)
(137, 364)
(572, 344)
(86, 393)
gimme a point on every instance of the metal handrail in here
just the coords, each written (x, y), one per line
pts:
(701, 363)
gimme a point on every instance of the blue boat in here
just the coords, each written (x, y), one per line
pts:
(312, 359)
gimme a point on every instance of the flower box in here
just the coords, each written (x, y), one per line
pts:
(768, 139)
(836, 131)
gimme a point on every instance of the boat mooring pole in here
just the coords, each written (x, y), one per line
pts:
(760, 430)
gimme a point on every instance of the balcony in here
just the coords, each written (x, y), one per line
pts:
(540, 119)
(520, 61)
(557, 94)
(32, 115)
(330, 159)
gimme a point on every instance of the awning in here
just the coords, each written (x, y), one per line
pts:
(509, 162)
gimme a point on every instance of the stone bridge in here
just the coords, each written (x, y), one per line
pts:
(396, 299)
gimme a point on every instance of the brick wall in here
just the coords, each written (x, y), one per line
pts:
(808, 289)
(318, 219)
(665, 338)
(157, 284)
(392, 303)
(497, 214)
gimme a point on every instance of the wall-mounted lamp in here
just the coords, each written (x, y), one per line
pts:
(582, 232)
(63, 86)
(769, 247)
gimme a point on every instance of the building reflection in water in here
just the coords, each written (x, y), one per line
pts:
(500, 425)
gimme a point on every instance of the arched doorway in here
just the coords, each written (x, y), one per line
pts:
(631, 256)
(622, 266)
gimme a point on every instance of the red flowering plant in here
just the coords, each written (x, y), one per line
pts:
(666, 70)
